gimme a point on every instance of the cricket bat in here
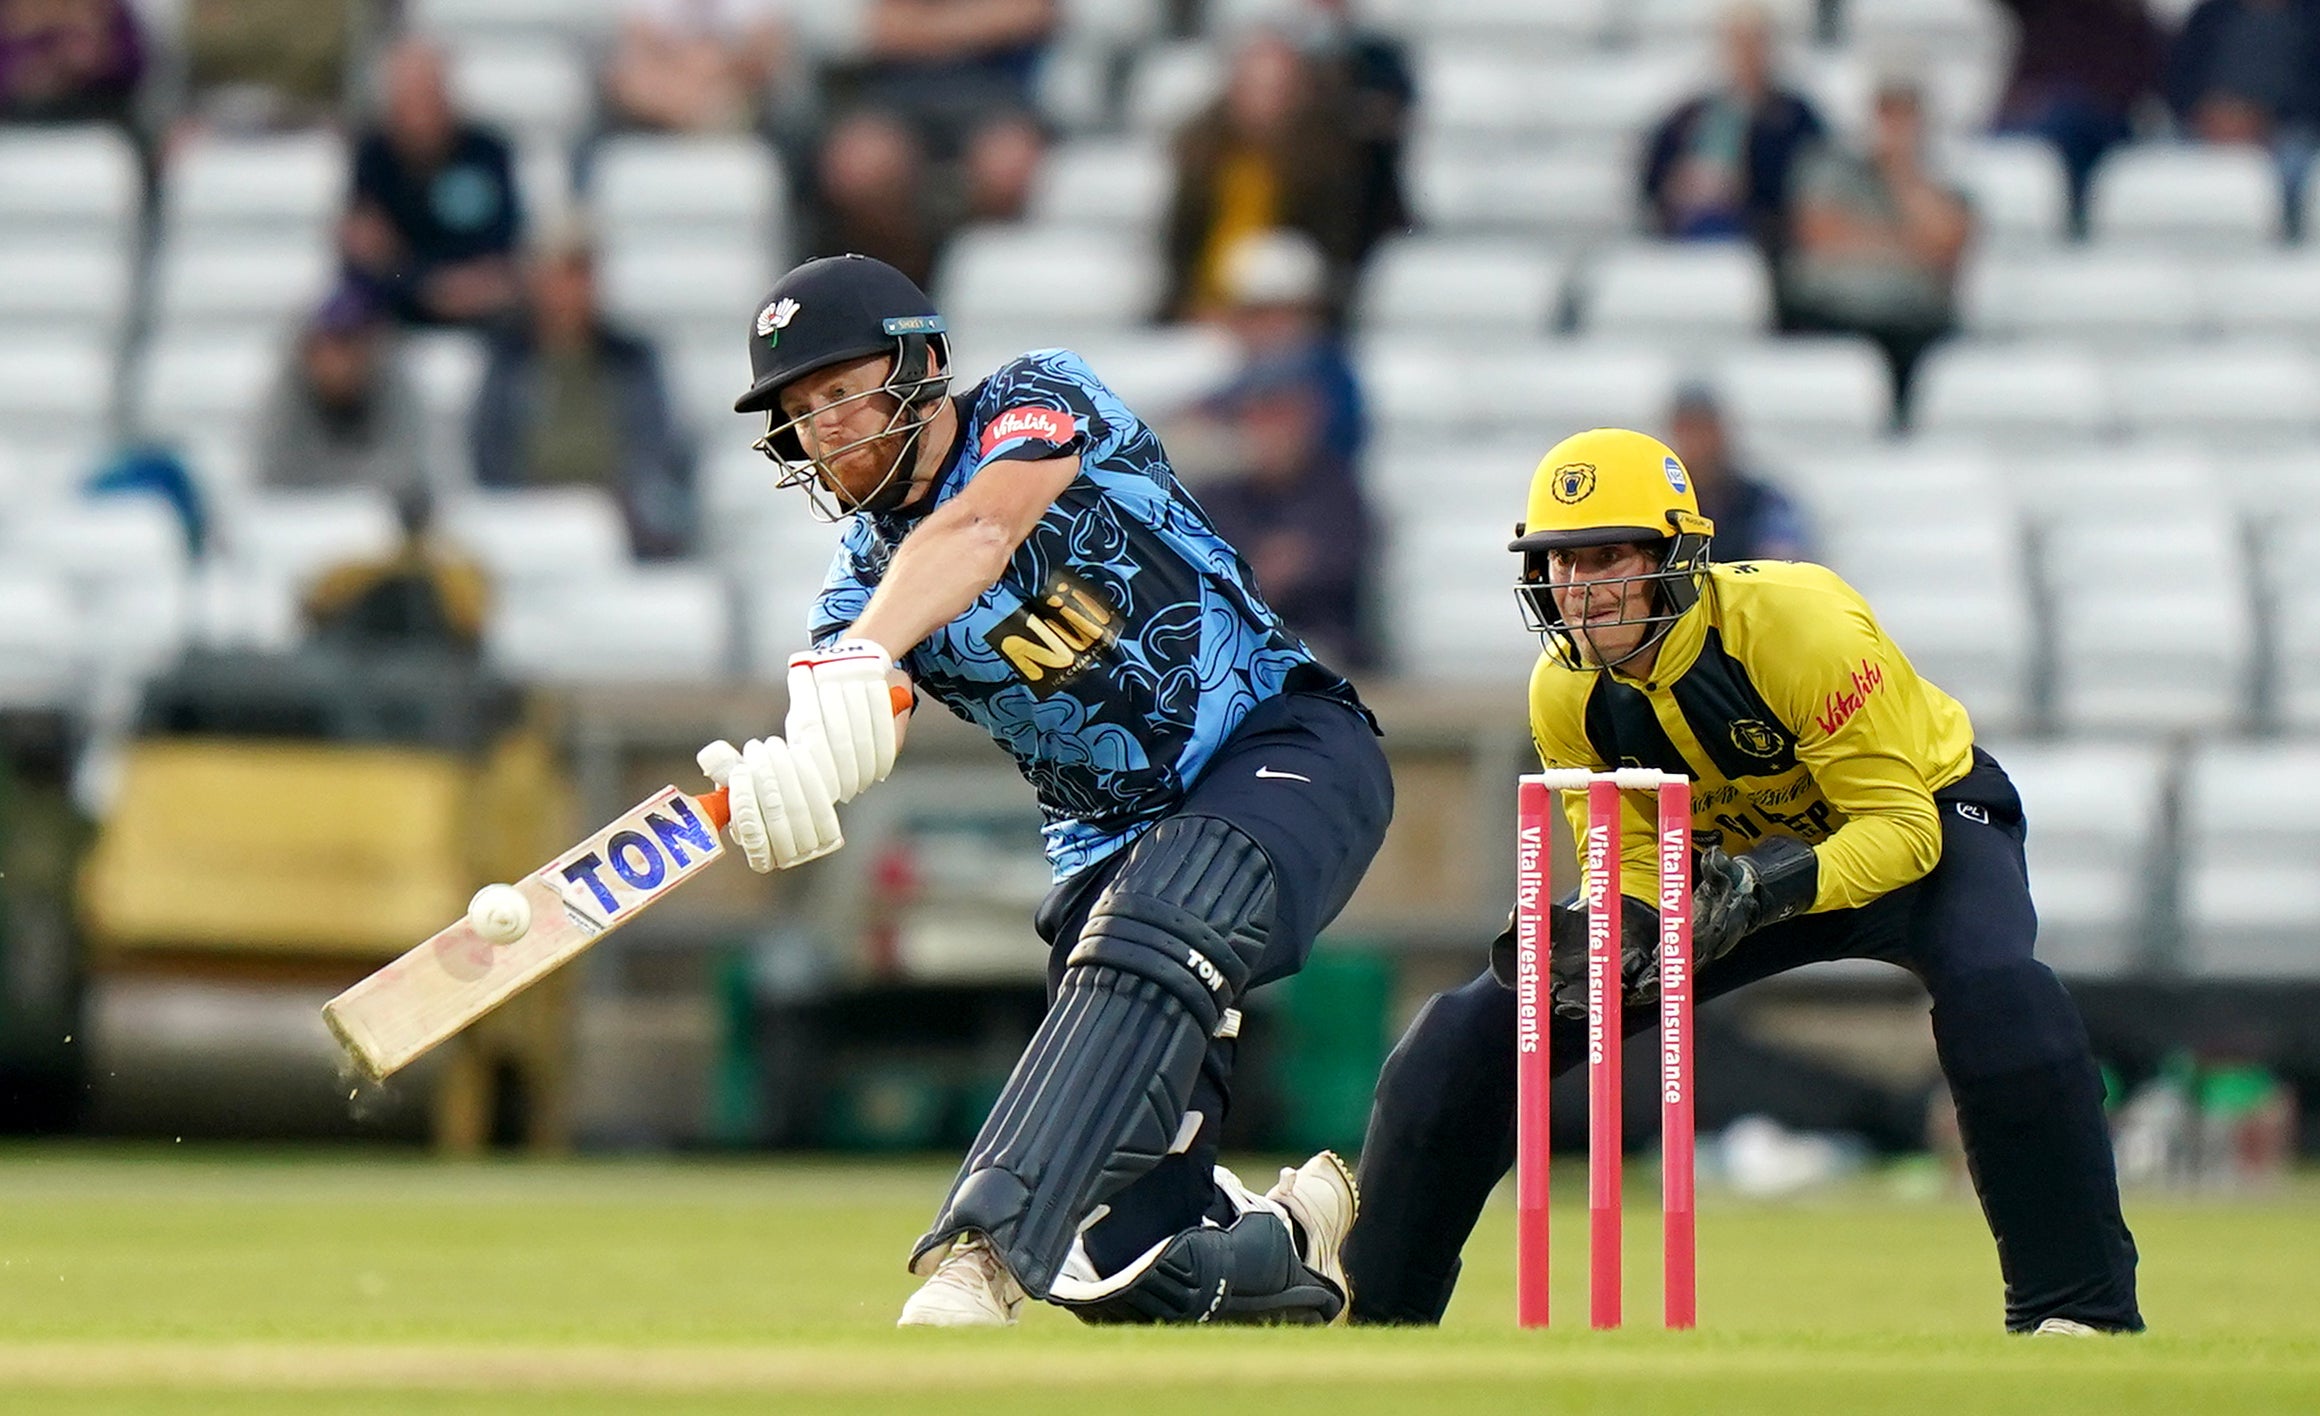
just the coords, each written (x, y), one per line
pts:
(397, 1014)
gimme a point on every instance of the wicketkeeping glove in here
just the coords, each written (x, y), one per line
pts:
(783, 811)
(1567, 955)
(841, 712)
(1733, 896)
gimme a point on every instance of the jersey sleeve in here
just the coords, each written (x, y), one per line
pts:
(1864, 730)
(1559, 732)
(845, 593)
(1036, 407)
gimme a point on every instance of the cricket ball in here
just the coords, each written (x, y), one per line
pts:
(500, 913)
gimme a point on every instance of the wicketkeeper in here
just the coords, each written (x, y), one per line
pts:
(1022, 554)
(1840, 809)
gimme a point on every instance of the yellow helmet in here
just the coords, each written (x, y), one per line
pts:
(1606, 487)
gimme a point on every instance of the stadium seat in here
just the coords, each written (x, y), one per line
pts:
(2093, 293)
(55, 395)
(1479, 94)
(2017, 187)
(122, 559)
(447, 368)
(252, 288)
(2288, 538)
(1897, 29)
(1168, 83)
(656, 624)
(540, 534)
(204, 390)
(1443, 285)
(702, 191)
(41, 645)
(2154, 624)
(2022, 392)
(2179, 197)
(295, 536)
(1116, 182)
(2251, 861)
(683, 290)
(2276, 293)
(1947, 576)
(1035, 286)
(778, 601)
(1664, 23)
(2249, 392)
(1539, 391)
(1805, 388)
(536, 91)
(1471, 480)
(1157, 372)
(286, 189)
(75, 290)
(77, 184)
(2061, 482)
(1539, 24)
(1447, 596)
(1689, 294)
(1572, 195)
(513, 21)
(2097, 845)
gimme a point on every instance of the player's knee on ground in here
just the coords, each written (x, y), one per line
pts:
(1101, 1094)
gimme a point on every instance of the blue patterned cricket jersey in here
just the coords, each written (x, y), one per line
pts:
(1125, 640)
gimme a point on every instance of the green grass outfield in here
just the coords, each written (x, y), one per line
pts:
(141, 1280)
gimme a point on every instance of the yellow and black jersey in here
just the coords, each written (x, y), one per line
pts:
(1793, 713)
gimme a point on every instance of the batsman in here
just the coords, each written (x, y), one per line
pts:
(1840, 809)
(1021, 553)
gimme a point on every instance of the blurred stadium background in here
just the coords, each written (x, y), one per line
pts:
(2096, 530)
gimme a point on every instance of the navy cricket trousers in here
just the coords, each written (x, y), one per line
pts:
(1305, 777)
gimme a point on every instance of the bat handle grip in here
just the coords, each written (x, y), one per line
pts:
(719, 804)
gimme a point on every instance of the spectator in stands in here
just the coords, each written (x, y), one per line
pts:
(942, 127)
(434, 221)
(1754, 520)
(2248, 71)
(69, 61)
(2081, 69)
(1718, 167)
(1276, 291)
(343, 413)
(1293, 507)
(263, 64)
(1274, 150)
(422, 594)
(696, 66)
(1371, 69)
(1875, 240)
(569, 400)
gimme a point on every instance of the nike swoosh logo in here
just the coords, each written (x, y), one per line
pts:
(1268, 772)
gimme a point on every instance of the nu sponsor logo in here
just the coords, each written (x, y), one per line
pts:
(1058, 636)
(1844, 702)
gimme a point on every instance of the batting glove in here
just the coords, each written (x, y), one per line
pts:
(841, 713)
(783, 811)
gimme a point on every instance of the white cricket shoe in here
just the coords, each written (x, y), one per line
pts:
(1321, 1197)
(2065, 1327)
(970, 1289)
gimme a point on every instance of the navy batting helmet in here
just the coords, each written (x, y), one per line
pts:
(826, 312)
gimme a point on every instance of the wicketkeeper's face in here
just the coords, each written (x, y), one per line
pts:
(1607, 596)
